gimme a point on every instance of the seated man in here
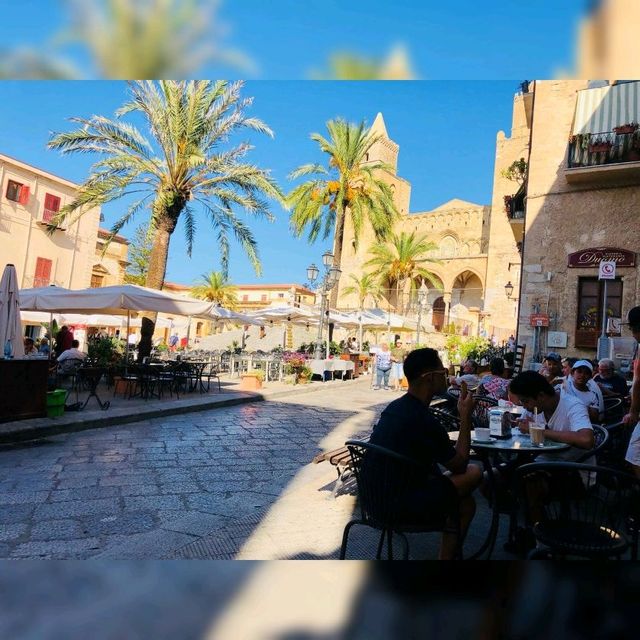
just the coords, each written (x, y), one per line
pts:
(407, 427)
(70, 354)
(552, 368)
(611, 384)
(580, 385)
(29, 347)
(469, 375)
(564, 415)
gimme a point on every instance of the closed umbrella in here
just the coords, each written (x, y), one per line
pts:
(10, 327)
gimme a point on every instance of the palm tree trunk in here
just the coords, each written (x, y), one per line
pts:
(155, 280)
(338, 239)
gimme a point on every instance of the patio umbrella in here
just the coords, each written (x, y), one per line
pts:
(10, 326)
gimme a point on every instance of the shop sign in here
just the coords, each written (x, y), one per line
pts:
(586, 258)
(539, 320)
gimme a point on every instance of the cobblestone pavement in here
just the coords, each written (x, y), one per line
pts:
(152, 488)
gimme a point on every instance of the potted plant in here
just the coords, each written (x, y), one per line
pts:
(252, 380)
(507, 204)
(600, 145)
(304, 375)
(626, 128)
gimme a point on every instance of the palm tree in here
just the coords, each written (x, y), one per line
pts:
(346, 188)
(183, 164)
(215, 287)
(403, 260)
(368, 285)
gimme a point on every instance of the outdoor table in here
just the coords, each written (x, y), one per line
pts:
(516, 445)
(195, 373)
(92, 376)
(322, 367)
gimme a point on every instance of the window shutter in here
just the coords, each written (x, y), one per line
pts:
(43, 272)
(51, 207)
(24, 194)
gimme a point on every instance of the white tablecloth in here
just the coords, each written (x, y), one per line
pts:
(318, 367)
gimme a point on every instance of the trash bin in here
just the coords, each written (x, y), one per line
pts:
(55, 402)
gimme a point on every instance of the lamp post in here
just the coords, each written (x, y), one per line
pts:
(423, 292)
(329, 280)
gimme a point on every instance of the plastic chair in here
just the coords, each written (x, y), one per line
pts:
(382, 478)
(578, 518)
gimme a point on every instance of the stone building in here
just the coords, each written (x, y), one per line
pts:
(476, 254)
(582, 206)
(110, 260)
(29, 199)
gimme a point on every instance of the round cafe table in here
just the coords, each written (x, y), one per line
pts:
(514, 446)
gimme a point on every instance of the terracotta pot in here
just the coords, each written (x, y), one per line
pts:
(250, 383)
(627, 128)
(599, 148)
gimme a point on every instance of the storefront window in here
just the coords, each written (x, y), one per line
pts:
(590, 303)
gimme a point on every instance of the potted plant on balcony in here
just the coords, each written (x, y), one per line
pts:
(507, 204)
(631, 127)
(600, 145)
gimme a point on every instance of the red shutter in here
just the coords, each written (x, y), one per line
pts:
(43, 273)
(24, 194)
(51, 207)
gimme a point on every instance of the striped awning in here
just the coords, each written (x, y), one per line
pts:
(600, 110)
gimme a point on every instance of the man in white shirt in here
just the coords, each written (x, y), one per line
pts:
(580, 385)
(564, 415)
(72, 354)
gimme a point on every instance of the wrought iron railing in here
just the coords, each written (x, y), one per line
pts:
(607, 147)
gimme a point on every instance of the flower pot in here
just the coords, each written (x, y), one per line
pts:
(250, 383)
(625, 128)
(600, 148)
(302, 380)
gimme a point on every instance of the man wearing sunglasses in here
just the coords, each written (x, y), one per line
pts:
(407, 427)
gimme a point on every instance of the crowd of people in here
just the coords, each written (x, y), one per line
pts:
(565, 398)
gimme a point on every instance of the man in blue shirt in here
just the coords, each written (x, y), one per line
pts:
(407, 427)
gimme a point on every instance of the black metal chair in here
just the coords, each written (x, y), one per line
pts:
(600, 439)
(480, 415)
(583, 510)
(383, 479)
(612, 454)
(613, 410)
(446, 419)
(212, 370)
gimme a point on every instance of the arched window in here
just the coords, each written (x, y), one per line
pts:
(448, 247)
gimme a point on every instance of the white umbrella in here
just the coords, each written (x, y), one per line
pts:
(10, 326)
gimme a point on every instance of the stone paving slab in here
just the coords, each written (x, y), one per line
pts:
(123, 411)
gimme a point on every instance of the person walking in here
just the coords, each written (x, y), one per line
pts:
(398, 354)
(383, 366)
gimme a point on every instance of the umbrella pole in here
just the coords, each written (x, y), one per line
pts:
(188, 330)
(126, 361)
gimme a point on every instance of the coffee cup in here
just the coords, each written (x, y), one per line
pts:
(537, 435)
(482, 434)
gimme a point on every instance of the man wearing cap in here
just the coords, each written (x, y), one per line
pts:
(580, 385)
(552, 369)
(633, 417)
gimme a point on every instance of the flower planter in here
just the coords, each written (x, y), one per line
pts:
(600, 148)
(250, 382)
(302, 380)
(626, 128)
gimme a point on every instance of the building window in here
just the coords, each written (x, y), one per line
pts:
(245, 298)
(42, 277)
(97, 281)
(590, 306)
(263, 297)
(51, 207)
(281, 295)
(17, 192)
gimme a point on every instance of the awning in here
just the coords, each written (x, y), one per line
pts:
(600, 110)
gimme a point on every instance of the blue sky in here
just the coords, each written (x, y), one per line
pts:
(446, 131)
(465, 39)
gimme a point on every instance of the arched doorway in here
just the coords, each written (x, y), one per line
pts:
(439, 308)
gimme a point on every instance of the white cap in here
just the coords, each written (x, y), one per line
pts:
(582, 363)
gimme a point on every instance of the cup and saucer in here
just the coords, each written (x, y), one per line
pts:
(482, 436)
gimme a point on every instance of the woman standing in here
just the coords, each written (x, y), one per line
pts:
(383, 366)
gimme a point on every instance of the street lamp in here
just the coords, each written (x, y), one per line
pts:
(423, 292)
(508, 289)
(329, 280)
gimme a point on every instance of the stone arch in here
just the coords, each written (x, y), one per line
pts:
(438, 313)
(467, 294)
(449, 246)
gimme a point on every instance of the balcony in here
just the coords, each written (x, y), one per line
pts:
(609, 157)
(514, 207)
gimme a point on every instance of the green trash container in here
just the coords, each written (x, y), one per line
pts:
(55, 402)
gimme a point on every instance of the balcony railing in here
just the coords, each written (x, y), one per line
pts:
(608, 147)
(514, 205)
